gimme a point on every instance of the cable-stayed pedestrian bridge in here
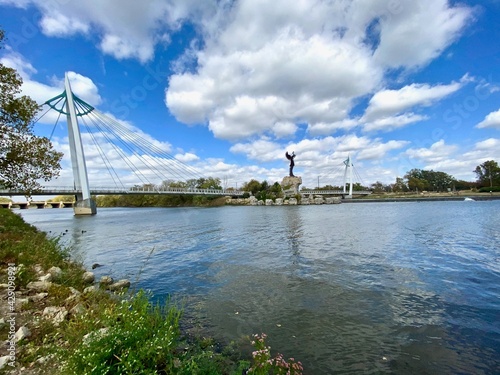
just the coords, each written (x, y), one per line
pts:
(124, 191)
(137, 164)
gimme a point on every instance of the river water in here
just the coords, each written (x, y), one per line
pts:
(371, 288)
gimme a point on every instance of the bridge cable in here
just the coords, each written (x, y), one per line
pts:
(181, 170)
(99, 123)
(107, 163)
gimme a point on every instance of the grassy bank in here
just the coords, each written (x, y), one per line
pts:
(68, 325)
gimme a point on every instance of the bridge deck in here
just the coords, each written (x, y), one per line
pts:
(124, 191)
(333, 192)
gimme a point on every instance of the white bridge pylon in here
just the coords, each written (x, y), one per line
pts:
(348, 176)
(84, 204)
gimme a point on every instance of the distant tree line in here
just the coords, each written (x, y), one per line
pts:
(174, 200)
(487, 173)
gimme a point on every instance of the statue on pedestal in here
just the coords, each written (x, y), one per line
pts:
(292, 163)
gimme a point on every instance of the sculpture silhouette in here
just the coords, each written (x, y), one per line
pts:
(292, 163)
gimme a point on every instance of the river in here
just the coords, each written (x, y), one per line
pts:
(371, 288)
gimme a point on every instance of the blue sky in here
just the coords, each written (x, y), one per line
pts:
(229, 86)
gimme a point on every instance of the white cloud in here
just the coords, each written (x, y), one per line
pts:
(492, 120)
(489, 145)
(415, 32)
(438, 152)
(128, 30)
(58, 24)
(82, 86)
(387, 103)
(393, 122)
(458, 161)
(187, 157)
(258, 70)
(255, 71)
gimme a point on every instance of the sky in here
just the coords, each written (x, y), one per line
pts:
(229, 86)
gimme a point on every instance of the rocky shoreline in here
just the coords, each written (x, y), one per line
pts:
(40, 303)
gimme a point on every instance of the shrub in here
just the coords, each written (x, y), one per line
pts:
(487, 189)
(136, 337)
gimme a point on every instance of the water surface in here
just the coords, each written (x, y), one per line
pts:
(372, 288)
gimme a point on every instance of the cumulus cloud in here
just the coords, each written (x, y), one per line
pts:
(260, 70)
(256, 72)
(437, 152)
(412, 33)
(82, 86)
(492, 120)
(386, 103)
(130, 30)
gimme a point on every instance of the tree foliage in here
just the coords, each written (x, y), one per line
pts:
(488, 174)
(428, 180)
(24, 157)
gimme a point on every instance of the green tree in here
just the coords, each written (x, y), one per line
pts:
(430, 180)
(488, 174)
(209, 183)
(252, 186)
(399, 185)
(24, 158)
(378, 187)
(415, 183)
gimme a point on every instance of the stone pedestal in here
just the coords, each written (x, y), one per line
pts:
(290, 185)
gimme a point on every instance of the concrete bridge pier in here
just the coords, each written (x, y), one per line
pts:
(39, 205)
(84, 206)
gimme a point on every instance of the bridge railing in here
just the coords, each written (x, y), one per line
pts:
(70, 190)
(334, 192)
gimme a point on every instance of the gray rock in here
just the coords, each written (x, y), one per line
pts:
(95, 335)
(119, 285)
(269, 202)
(55, 272)
(39, 286)
(90, 289)
(22, 333)
(43, 360)
(38, 297)
(292, 201)
(88, 277)
(4, 360)
(318, 200)
(56, 314)
(38, 269)
(106, 280)
(47, 277)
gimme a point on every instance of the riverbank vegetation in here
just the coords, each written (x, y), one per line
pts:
(65, 326)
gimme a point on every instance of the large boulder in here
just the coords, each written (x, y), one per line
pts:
(290, 185)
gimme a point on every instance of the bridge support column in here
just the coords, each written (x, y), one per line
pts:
(348, 174)
(84, 204)
(85, 207)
